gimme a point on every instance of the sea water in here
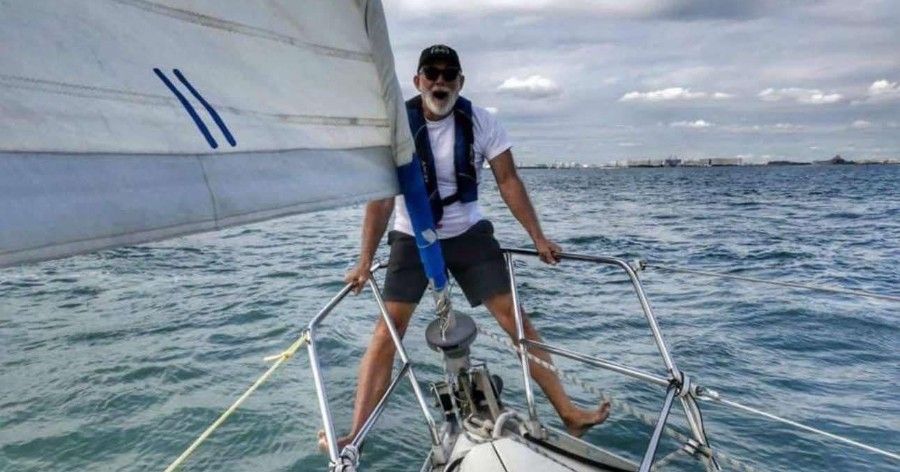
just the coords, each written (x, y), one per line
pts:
(117, 360)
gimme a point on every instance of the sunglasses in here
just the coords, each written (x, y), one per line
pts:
(431, 73)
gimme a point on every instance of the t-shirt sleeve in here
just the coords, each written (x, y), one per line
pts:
(490, 136)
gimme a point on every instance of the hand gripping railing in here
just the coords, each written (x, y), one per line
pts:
(346, 459)
(678, 384)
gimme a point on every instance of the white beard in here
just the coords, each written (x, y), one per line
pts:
(439, 107)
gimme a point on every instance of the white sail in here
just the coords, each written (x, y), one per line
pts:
(286, 106)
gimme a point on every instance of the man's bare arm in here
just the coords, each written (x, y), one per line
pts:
(377, 215)
(516, 197)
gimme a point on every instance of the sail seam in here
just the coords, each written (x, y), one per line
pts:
(87, 91)
(212, 195)
(243, 29)
(187, 226)
(83, 91)
(124, 154)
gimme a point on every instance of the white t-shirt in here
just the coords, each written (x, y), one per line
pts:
(490, 142)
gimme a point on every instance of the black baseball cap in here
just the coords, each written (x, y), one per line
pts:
(439, 52)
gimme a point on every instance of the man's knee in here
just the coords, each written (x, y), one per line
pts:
(501, 306)
(400, 314)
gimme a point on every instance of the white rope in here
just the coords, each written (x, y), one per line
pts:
(844, 291)
(279, 359)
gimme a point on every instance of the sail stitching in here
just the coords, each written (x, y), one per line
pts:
(84, 91)
(243, 29)
(88, 91)
(194, 224)
(212, 195)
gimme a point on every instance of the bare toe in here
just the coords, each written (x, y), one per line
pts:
(323, 441)
(587, 420)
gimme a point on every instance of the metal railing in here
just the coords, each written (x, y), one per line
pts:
(678, 384)
(347, 454)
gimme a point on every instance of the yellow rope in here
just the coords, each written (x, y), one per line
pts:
(279, 359)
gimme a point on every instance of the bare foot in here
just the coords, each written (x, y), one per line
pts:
(584, 420)
(341, 442)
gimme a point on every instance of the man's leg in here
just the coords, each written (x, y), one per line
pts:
(375, 369)
(577, 420)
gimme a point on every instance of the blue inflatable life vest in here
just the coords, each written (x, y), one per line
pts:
(463, 155)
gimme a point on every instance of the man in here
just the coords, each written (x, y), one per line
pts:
(471, 253)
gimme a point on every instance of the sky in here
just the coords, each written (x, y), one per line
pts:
(605, 80)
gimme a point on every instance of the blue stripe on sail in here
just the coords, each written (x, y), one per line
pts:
(413, 187)
(212, 112)
(187, 106)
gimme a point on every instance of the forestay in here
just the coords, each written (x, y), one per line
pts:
(125, 121)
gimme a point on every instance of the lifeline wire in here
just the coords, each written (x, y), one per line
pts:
(714, 396)
(279, 359)
(644, 417)
(707, 394)
(844, 291)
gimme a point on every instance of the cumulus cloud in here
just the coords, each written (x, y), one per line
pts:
(671, 94)
(532, 87)
(697, 124)
(884, 90)
(799, 95)
(492, 110)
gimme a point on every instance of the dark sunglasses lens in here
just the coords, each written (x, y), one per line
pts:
(432, 73)
(451, 74)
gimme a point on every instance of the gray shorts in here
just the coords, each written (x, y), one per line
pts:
(473, 258)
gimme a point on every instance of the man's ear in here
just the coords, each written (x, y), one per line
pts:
(416, 81)
(462, 81)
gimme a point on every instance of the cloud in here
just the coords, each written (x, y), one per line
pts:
(629, 144)
(492, 110)
(884, 90)
(652, 70)
(532, 87)
(765, 128)
(787, 127)
(713, 9)
(671, 94)
(799, 95)
(861, 124)
(677, 10)
(697, 124)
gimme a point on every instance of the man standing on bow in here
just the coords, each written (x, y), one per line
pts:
(453, 138)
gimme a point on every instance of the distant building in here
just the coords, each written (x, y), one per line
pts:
(786, 163)
(672, 162)
(645, 163)
(725, 161)
(836, 160)
(713, 162)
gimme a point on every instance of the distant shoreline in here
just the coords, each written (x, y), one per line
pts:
(673, 161)
(767, 164)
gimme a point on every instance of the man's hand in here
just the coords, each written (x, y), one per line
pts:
(547, 250)
(358, 276)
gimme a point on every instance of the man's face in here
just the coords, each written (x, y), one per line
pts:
(439, 84)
